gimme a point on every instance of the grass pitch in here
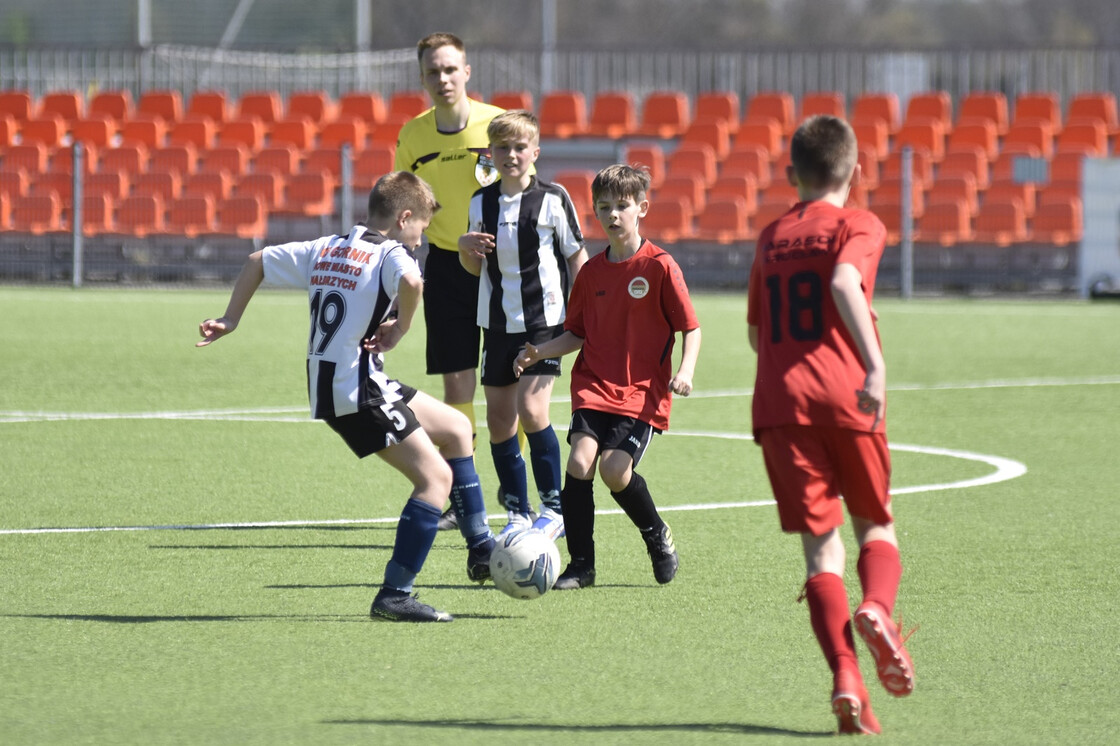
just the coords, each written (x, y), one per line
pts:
(110, 418)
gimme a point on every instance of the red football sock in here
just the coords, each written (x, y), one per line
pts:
(831, 619)
(880, 571)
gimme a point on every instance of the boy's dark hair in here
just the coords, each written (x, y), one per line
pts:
(512, 124)
(437, 40)
(620, 180)
(823, 152)
(401, 190)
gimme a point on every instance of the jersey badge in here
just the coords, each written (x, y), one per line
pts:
(638, 287)
(484, 171)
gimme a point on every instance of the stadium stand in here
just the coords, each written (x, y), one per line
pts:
(613, 115)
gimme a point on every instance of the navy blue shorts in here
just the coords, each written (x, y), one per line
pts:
(450, 313)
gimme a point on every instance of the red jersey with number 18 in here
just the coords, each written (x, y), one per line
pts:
(628, 314)
(809, 368)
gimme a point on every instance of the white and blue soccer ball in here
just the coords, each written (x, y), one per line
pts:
(524, 563)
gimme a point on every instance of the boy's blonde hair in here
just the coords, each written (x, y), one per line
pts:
(397, 191)
(823, 152)
(437, 40)
(513, 125)
(621, 180)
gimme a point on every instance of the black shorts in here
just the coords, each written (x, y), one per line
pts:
(500, 349)
(368, 431)
(450, 313)
(614, 432)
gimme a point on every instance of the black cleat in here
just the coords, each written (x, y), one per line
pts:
(448, 520)
(574, 577)
(662, 553)
(398, 606)
(478, 561)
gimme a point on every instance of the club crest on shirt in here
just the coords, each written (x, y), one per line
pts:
(484, 171)
(638, 287)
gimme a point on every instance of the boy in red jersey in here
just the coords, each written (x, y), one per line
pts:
(819, 407)
(626, 306)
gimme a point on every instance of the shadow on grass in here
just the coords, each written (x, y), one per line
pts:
(651, 728)
(190, 618)
(271, 546)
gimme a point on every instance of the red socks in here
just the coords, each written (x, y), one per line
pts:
(880, 571)
(831, 619)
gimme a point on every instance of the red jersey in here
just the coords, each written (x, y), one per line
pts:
(809, 368)
(628, 314)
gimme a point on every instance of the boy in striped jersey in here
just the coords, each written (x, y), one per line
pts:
(526, 246)
(352, 282)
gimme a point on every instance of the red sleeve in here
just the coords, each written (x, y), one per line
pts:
(675, 299)
(864, 242)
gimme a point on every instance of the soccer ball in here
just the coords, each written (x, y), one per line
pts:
(524, 564)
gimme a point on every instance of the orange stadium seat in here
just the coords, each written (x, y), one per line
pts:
(216, 184)
(650, 155)
(31, 157)
(1066, 166)
(178, 159)
(766, 133)
(231, 158)
(37, 214)
(719, 106)
(115, 184)
(66, 104)
(1034, 133)
(890, 213)
(365, 105)
(944, 223)
(371, 164)
(60, 184)
(347, 130)
(930, 105)
(921, 165)
(512, 100)
(1001, 222)
(725, 220)
(264, 105)
(668, 222)
(873, 134)
(822, 102)
(117, 105)
(969, 160)
(664, 114)
(279, 159)
(710, 132)
(164, 104)
(750, 160)
(61, 159)
(405, 105)
(5, 212)
(984, 106)
(8, 130)
(244, 217)
(926, 135)
(1085, 137)
(325, 160)
(315, 105)
(47, 130)
(198, 131)
(299, 133)
(1058, 223)
(145, 129)
(309, 194)
(736, 185)
(386, 132)
(14, 182)
(563, 114)
(132, 158)
(890, 190)
(613, 115)
(1058, 191)
(98, 130)
(167, 185)
(781, 189)
(776, 105)
(577, 183)
(1006, 189)
(868, 166)
(692, 158)
(1098, 106)
(958, 187)
(1040, 105)
(975, 133)
(190, 216)
(247, 131)
(18, 104)
(877, 107)
(140, 215)
(682, 187)
(858, 196)
(770, 209)
(267, 187)
(98, 214)
(212, 105)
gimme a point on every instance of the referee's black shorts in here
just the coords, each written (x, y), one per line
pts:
(450, 313)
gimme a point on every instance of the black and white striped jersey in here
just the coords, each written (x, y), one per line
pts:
(351, 283)
(525, 282)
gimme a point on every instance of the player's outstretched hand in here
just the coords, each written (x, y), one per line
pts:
(525, 359)
(681, 385)
(213, 330)
(386, 337)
